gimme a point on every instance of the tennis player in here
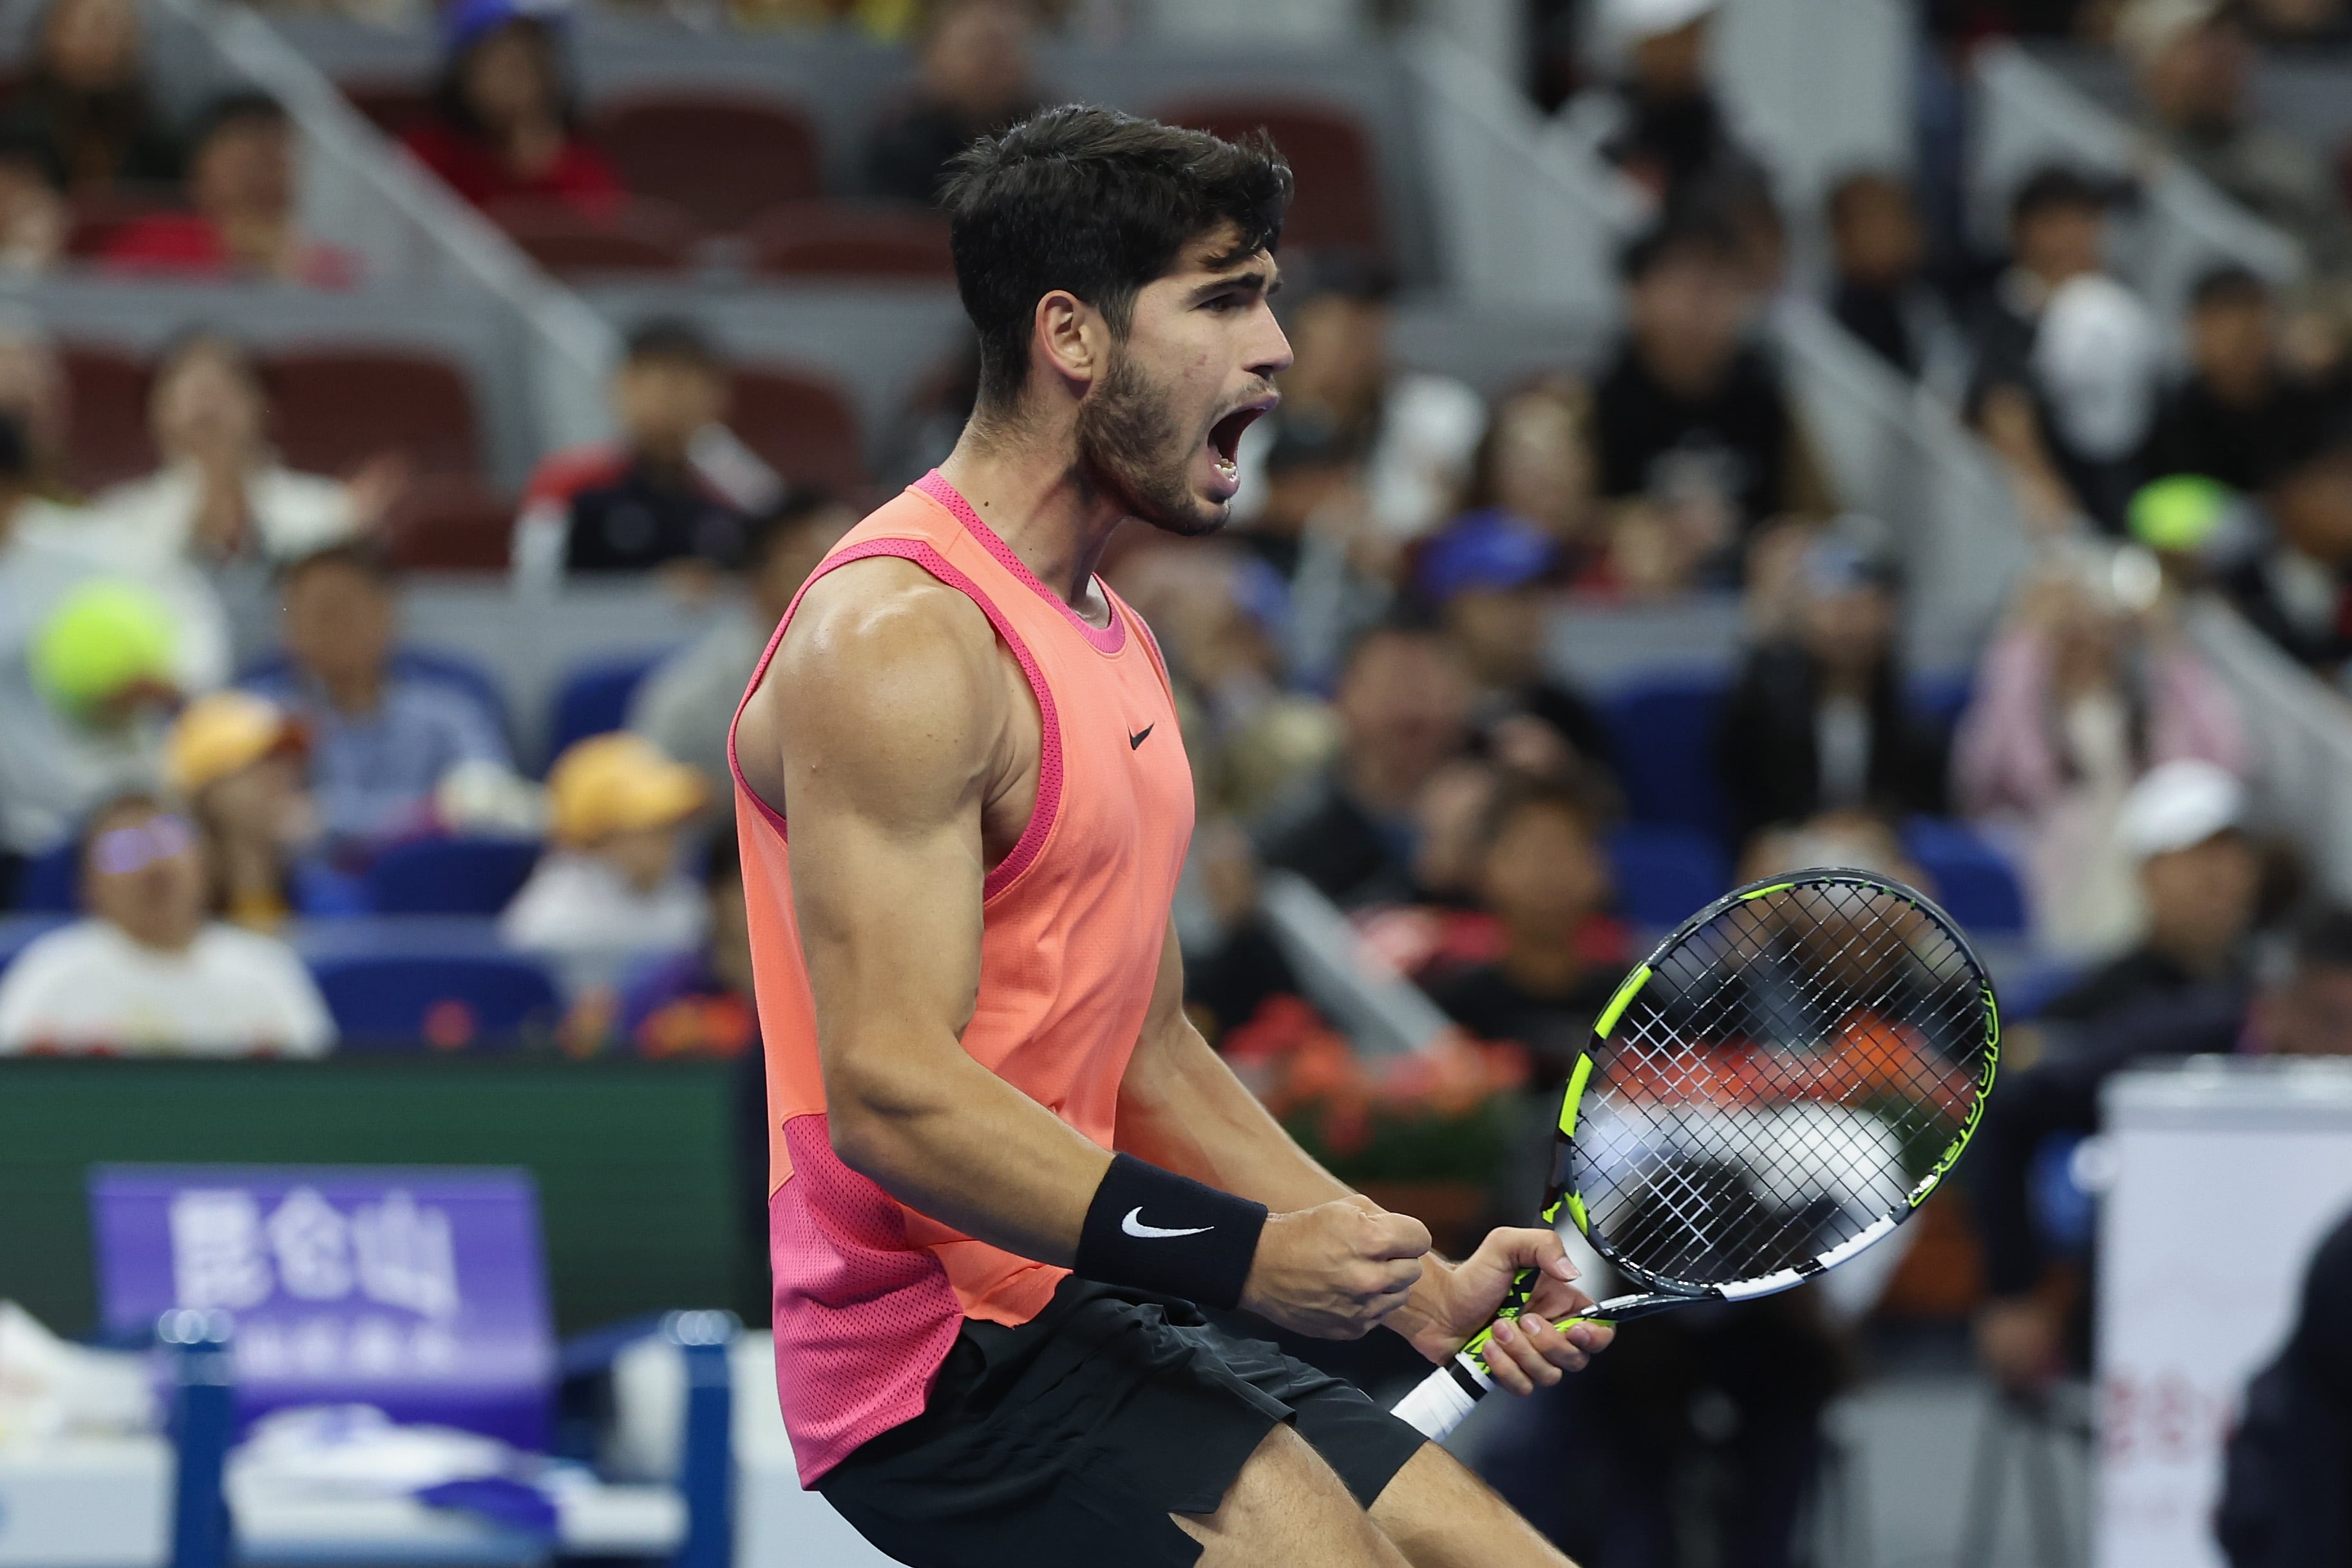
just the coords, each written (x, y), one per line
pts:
(1005, 1168)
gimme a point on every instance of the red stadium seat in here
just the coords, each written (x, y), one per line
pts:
(94, 219)
(852, 242)
(445, 523)
(1338, 200)
(397, 107)
(106, 416)
(724, 160)
(333, 409)
(801, 426)
(643, 236)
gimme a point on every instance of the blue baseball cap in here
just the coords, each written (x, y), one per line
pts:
(1490, 549)
(468, 21)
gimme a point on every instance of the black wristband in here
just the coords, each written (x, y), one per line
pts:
(1164, 1232)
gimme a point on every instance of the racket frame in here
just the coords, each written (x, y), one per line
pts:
(1447, 1394)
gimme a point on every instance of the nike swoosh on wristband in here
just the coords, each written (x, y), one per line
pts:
(1133, 1224)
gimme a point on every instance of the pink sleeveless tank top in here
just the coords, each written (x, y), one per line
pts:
(870, 1294)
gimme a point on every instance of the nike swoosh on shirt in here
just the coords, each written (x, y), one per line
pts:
(1133, 1224)
(1141, 736)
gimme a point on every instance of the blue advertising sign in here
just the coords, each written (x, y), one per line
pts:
(421, 1291)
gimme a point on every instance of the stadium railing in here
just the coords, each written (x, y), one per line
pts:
(2030, 116)
(2300, 737)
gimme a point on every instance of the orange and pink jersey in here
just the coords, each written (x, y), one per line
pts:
(870, 1294)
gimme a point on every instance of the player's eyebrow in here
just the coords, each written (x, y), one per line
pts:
(1265, 280)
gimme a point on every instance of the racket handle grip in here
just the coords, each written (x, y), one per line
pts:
(1444, 1398)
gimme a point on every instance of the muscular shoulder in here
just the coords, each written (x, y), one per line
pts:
(887, 679)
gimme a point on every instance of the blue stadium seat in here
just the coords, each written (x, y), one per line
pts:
(2024, 994)
(446, 1001)
(1973, 882)
(1664, 727)
(450, 876)
(594, 699)
(1665, 874)
(1941, 695)
(50, 883)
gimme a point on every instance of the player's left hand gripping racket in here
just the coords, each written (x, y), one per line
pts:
(1780, 1085)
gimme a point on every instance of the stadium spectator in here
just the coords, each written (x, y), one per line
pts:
(2224, 416)
(1690, 415)
(1543, 873)
(2295, 585)
(2079, 694)
(2192, 59)
(236, 761)
(2184, 825)
(1660, 121)
(972, 79)
(1404, 701)
(1880, 290)
(146, 972)
(504, 125)
(241, 185)
(685, 705)
(2066, 358)
(84, 107)
(1536, 464)
(33, 216)
(221, 492)
(2301, 1006)
(1485, 575)
(1408, 435)
(700, 1002)
(34, 397)
(618, 811)
(2283, 1502)
(643, 500)
(1818, 720)
(380, 738)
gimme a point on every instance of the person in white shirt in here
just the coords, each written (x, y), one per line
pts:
(612, 887)
(149, 972)
(222, 494)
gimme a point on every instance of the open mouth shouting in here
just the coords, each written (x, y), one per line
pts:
(1225, 444)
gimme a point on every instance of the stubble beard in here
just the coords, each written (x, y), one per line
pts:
(1129, 449)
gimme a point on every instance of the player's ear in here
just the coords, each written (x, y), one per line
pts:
(1071, 338)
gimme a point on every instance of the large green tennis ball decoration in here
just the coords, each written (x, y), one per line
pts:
(103, 639)
(2180, 514)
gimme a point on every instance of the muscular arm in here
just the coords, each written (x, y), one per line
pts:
(895, 724)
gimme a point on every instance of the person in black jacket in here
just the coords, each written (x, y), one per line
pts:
(2298, 589)
(1817, 721)
(2286, 1492)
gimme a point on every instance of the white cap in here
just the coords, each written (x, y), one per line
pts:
(2180, 805)
(1631, 21)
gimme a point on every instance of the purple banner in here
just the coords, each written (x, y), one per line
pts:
(421, 1291)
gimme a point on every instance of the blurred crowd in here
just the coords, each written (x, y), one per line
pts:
(214, 736)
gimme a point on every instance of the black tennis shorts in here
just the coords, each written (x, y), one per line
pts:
(1071, 1438)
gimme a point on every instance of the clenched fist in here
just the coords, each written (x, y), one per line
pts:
(1336, 1270)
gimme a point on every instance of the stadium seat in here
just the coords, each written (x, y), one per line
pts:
(642, 236)
(333, 409)
(1665, 874)
(803, 428)
(106, 434)
(446, 1001)
(94, 218)
(450, 523)
(723, 159)
(1338, 200)
(397, 107)
(852, 242)
(50, 883)
(2025, 994)
(450, 876)
(1941, 695)
(594, 699)
(1664, 731)
(1973, 882)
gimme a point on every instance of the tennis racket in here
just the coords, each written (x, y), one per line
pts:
(1777, 1087)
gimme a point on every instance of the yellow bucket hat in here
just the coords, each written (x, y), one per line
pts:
(618, 783)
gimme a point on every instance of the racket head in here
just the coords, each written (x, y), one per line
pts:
(1783, 1081)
